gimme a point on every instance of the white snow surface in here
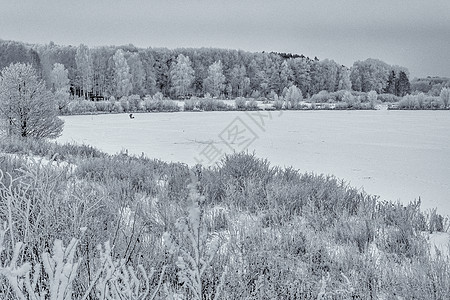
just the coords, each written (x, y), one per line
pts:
(398, 155)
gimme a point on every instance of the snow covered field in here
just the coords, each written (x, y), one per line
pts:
(398, 155)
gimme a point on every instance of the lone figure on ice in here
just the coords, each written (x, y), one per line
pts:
(131, 116)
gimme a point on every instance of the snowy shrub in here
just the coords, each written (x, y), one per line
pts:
(103, 106)
(322, 97)
(388, 98)
(196, 248)
(407, 102)
(160, 105)
(355, 231)
(209, 104)
(278, 103)
(60, 268)
(352, 101)
(141, 105)
(133, 101)
(116, 280)
(293, 97)
(117, 107)
(372, 97)
(252, 105)
(158, 96)
(190, 104)
(81, 107)
(445, 97)
(240, 103)
(125, 104)
(436, 103)
(238, 230)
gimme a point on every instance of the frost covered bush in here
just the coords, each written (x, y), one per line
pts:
(160, 105)
(125, 104)
(158, 96)
(209, 104)
(372, 98)
(388, 98)
(293, 97)
(278, 103)
(278, 233)
(114, 279)
(196, 248)
(240, 103)
(252, 105)
(190, 104)
(134, 101)
(60, 269)
(81, 106)
(103, 106)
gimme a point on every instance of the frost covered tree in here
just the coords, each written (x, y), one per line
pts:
(214, 83)
(239, 81)
(371, 74)
(181, 76)
(60, 85)
(122, 74)
(445, 96)
(344, 80)
(137, 74)
(83, 60)
(26, 107)
(286, 75)
(293, 97)
(59, 78)
(372, 96)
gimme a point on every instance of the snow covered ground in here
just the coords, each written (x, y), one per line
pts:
(398, 155)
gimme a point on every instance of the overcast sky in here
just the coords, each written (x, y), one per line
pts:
(410, 33)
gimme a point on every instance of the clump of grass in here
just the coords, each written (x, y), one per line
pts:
(53, 151)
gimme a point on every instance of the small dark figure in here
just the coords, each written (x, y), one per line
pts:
(131, 116)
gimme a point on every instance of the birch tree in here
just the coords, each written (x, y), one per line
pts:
(122, 74)
(83, 60)
(182, 76)
(214, 83)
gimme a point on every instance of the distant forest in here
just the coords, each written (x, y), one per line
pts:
(102, 72)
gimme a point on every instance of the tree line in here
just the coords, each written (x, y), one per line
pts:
(102, 72)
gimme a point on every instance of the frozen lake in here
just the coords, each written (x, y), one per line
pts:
(398, 155)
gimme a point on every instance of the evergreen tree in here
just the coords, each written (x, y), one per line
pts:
(402, 85)
(390, 85)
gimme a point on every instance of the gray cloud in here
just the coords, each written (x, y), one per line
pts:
(412, 33)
